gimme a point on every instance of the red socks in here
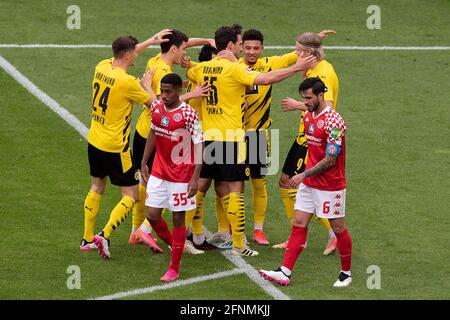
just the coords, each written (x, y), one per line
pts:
(344, 245)
(163, 231)
(295, 246)
(179, 237)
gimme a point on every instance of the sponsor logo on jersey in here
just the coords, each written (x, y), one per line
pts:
(311, 128)
(335, 133)
(320, 124)
(177, 117)
(198, 126)
(165, 121)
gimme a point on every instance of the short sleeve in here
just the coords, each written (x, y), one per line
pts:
(244, 75)
(136, 93)
(334, 128)
(284, 61)
(193, 125)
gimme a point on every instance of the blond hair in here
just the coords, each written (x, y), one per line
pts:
(312, 43)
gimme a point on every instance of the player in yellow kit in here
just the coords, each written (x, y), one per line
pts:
(258, 121)
(113, 93)
(308, 44)
(223, 125)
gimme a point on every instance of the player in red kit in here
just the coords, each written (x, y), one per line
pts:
(176, 134)
(321, 187)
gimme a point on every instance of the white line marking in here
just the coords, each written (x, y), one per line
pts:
(83, 130)
(171, 285)
(256, 277)
(368, 48)
(38, 93)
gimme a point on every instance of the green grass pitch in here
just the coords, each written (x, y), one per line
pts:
(398, 153)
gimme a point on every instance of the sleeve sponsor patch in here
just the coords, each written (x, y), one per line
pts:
(333, 149)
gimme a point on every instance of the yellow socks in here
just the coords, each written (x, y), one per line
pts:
(118, 215)
(259, 201)
(139, 209)
(194, 215)
(288, 197)
(197, 222)
(223, 225)
(91, 208)
(236, 216)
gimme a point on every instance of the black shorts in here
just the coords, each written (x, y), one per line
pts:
(225, 161)
(118, 166)
(257, 151)
(138, 152)
(295, 162)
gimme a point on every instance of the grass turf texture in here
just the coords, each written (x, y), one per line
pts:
(398, 154)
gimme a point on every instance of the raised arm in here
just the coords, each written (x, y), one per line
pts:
(275, 76)
(156, 39)
(193, 42)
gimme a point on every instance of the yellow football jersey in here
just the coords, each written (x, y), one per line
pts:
(224, 107)
(161, 69)
(195, 103)
(259, 98)
(325, 71)
(113, 94)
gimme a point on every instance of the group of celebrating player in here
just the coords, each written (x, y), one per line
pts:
(218, 131)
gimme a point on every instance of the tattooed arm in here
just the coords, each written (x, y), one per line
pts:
(322, 166)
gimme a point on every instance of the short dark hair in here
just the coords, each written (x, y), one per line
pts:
(316, 84)
(206, 53)
(176, 38)
(237, 27)
(122, 45)
(253, 34)
(224, 35)
(173, 79)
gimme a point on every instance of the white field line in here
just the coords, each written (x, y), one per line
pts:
(363, 48)
(48, 101)
(177, 283)
(83, 130)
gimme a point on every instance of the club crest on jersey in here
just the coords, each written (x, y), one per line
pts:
(331, 149)
(320, 124)
(165, 121)
(311, 128)
(177, 117)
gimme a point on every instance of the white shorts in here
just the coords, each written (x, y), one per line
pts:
(167, 194)
(325, 204)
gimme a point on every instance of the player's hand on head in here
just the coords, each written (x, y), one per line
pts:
(324, 33)
(212, 43)
(158, 38)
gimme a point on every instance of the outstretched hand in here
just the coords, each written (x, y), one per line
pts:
(324, 33)
(289, 104)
